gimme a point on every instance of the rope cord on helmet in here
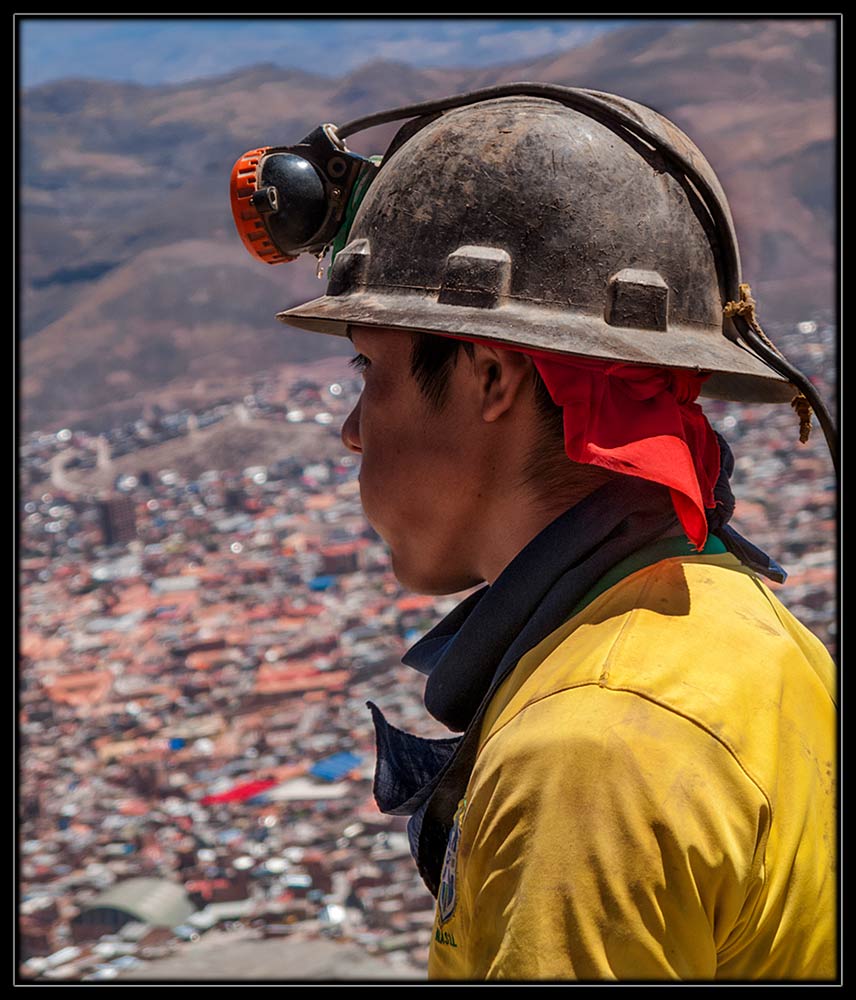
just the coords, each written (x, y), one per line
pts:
(807, 400)
(737, 309)
(804, 411)
(745, 308)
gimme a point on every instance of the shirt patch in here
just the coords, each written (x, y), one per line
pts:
(446, 897)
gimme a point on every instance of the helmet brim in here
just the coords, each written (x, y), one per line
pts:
(735, 373)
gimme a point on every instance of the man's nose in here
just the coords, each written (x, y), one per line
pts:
(351, 430)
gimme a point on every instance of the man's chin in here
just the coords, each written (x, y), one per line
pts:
(433, 581)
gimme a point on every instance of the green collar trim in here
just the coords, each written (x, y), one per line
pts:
(664, 548)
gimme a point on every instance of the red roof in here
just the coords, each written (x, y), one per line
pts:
(415, 602)
(81, 688)
(205, 887)
(42, 647)
(133, 807)
(282, 682)
(239, 793)
(204, 659)
(344, 548)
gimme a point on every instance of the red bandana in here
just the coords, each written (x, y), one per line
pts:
(639, 420)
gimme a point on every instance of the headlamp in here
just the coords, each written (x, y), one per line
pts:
(288, 200)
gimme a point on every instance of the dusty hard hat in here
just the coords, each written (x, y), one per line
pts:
(522, 220)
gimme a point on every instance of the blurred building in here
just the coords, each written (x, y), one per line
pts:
(157, 902)
(118, 520)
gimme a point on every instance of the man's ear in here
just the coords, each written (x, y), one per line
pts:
(500, 375)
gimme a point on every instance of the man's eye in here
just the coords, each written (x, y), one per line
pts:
(359, 363)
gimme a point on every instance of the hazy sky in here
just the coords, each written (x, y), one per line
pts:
(175, 49)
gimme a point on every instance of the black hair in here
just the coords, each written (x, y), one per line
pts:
(433, 357)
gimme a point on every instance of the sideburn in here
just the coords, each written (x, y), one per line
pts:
(548, 474)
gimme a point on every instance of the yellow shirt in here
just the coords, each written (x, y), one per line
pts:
(653, 796)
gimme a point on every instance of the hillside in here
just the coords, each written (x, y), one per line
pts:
(132, 280)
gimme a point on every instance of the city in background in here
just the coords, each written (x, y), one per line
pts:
(203, 611)
(197, 647)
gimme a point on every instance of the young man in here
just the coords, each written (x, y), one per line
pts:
(643, 787)
(651, 738)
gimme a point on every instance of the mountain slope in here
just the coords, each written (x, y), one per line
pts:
(131, 274)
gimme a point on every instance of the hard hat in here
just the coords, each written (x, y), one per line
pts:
(539, 216)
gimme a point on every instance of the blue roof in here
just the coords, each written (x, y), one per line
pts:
(334, 767)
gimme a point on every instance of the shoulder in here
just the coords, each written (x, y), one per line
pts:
(601, 816)
(631, 768)
(699, 641)
(615, 758)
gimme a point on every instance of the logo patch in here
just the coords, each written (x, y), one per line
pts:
(446, 897)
